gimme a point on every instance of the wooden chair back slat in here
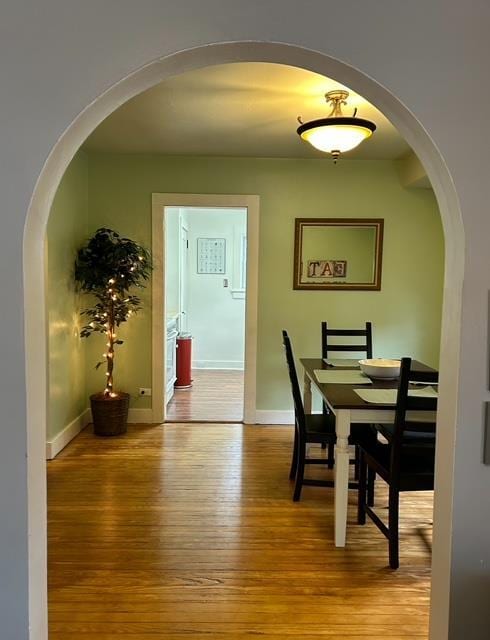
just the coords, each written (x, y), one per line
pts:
(328, 345)
(346, 347)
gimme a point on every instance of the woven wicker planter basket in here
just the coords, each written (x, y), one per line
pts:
(110, 415)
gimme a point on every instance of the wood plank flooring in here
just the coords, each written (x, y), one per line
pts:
(177, 532)
(215, 395)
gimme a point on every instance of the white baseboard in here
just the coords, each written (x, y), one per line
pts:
(145, 416)
(219, 364)
(59, 442)
(274, 417)
(140, 416)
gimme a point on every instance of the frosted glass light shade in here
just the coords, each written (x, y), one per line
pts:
(336, 134)
(336, 138)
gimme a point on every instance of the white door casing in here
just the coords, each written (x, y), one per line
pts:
(159, 202)
(183, 275)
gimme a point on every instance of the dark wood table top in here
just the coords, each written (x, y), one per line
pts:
(343, 396)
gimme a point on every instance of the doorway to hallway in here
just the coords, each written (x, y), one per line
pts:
(205, 294)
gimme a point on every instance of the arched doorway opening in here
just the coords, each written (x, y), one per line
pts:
(38, 214)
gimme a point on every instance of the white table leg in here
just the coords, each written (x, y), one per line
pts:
(307, 394)
(342, 428)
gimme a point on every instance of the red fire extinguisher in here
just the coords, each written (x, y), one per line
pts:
(184, 359)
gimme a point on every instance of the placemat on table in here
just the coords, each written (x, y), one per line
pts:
(388, 396)
(341, 376)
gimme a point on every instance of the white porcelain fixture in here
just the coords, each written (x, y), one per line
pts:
(382, 368)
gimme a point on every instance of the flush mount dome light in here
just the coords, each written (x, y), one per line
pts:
(336, 133)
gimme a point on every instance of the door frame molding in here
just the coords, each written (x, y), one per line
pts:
(159, 202)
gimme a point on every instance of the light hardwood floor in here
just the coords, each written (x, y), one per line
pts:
(215, 395)
(178, 532)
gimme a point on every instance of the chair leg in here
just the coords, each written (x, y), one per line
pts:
(371, 477)
(300, 471)
(294, 459)
(361, 490)
(325, 413)
(356, 462)
(393, 542)
(331, 455)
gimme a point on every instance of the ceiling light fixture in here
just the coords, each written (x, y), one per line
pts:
(336, 133)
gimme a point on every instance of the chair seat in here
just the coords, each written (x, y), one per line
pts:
(320, 427)
(416, 465)
(423, 432)
(360, 433)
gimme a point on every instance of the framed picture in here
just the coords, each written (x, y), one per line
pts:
(338, 253)
(211, 255)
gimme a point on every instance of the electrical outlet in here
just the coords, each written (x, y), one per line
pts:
(144, 391)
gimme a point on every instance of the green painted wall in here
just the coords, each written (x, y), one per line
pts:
(67, 229)
(405, 313)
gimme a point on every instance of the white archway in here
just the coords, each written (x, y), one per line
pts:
(35, 306)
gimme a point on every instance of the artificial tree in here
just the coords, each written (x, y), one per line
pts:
(107, 267)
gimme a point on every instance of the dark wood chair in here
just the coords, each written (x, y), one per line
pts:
(405, 461)
(309, 428)
(364, 346)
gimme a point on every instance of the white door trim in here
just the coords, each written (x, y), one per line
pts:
(159, 202)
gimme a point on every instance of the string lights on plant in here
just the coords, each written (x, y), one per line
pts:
(107, 267)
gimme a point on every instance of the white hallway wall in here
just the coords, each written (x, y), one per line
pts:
(216, 319)
(58, 56)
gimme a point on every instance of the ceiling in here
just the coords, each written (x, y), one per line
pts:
(239, 109)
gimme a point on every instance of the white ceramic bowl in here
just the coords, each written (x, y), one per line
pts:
(382, 368)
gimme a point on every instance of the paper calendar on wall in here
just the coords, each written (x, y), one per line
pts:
(211, 255)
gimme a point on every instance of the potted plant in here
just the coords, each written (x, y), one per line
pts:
(107, 267)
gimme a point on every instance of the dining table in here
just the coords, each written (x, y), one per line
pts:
(348, 407)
